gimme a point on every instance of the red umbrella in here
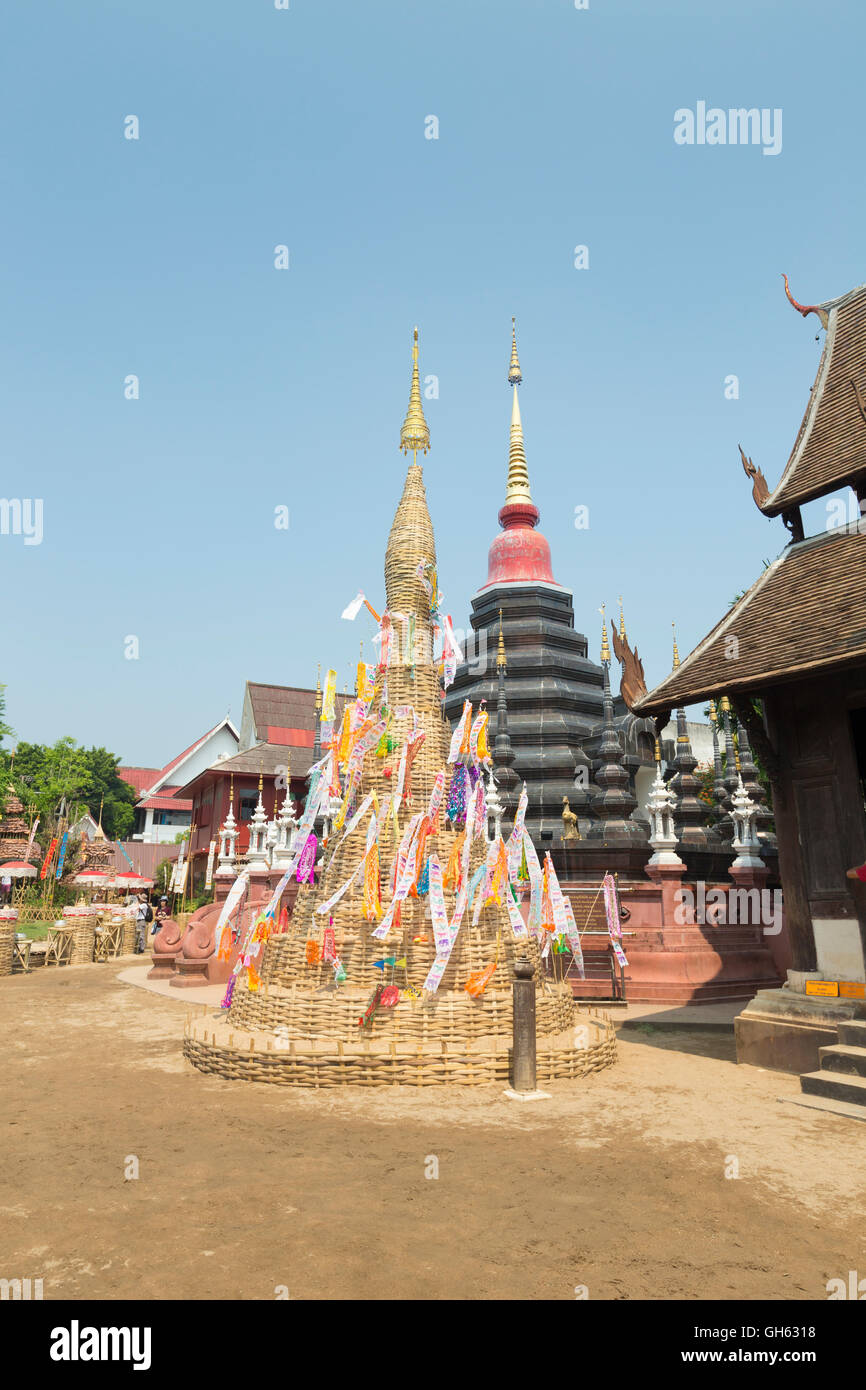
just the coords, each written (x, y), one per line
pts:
(17, 868)
(129, 879)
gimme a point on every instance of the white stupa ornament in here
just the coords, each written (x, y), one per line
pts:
(495, 808)
(228, 842)
(744, 814)
(660, 805)
(287, 831)
(257, 854)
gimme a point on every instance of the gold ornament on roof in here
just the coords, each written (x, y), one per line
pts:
(621, 620)
(415, 434)
(500, 654)
(676, 648)
(605, 648)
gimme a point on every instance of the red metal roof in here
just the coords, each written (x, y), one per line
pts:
(165, 802)
(139, 777)
(291, 738)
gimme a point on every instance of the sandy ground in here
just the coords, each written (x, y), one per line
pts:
(618, 1183)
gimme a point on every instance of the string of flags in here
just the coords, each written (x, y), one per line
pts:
(509, 866)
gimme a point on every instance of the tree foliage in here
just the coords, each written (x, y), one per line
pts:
(5, 731)
(66, 778)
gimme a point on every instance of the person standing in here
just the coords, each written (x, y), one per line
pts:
(162, 912)
(145, 915)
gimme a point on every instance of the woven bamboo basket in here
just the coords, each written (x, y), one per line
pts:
(83, 940)
(7, 947)
(223, 1050)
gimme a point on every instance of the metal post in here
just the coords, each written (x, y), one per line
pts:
(523, 1055)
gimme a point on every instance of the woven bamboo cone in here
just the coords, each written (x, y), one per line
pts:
(413, 1041)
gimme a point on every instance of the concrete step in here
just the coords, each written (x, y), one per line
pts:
(834, 1086)
(853, 1032)
(830, 1107)
(842, 1058)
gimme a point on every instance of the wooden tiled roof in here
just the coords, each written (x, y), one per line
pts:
(267, 758)
(807, 612)
(286, 708)
(830, 447)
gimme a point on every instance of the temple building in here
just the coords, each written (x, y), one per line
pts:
(791, 657)
(279, 728)
(552, 697)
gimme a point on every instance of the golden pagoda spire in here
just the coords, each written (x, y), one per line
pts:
(621, 620)
(712, 712)
(515, 375)
(517, 487)
(605, 648)
(415, 434)
(676, 648)
(658, 753)
(500, 654)
(318, 687)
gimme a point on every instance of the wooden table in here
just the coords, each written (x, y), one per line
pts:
(59, 944)
(21, 952)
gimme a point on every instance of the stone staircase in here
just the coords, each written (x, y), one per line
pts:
(840, 1084)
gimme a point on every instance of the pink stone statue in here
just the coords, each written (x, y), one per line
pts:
(166, 949)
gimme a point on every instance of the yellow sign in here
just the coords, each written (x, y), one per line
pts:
(822, 987)
(850, 989)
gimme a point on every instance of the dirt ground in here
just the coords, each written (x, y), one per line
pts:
(617, 1183)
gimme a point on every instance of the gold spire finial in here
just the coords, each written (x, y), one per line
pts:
(318, 687)
(514, 374)
(500, 655)
(605, 649)
(231, 790)
(676, 648)
(658, 753)
(260, 778)
(621, 620)
(517, 487)
(725, 705)
(415, 434)
(712, 712)
(737, 752)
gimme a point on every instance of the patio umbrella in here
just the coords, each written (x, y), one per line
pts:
(94, 878)
(17, 868)
(129, 879)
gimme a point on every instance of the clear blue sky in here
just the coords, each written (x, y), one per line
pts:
(262, 387)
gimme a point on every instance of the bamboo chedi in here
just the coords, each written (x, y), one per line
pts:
(360, 988)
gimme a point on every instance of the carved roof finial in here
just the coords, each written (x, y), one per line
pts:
(803, 309)
(676, 648)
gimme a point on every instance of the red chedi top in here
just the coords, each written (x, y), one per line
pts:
(519, 553)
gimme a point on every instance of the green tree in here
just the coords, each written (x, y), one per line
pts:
(5, 731)
(106, 789)
(66, 779)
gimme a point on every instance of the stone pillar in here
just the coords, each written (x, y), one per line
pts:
(523, 1054)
